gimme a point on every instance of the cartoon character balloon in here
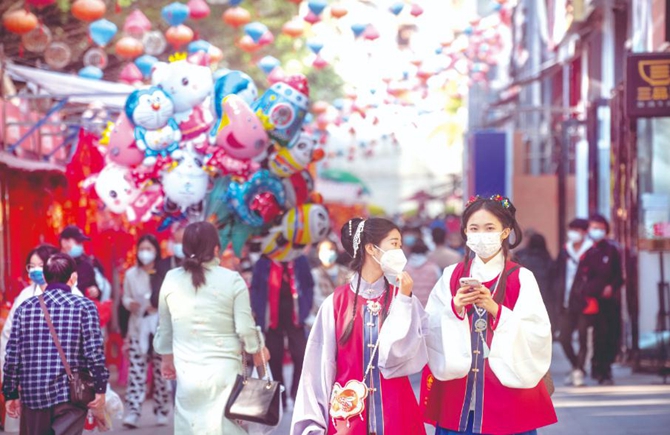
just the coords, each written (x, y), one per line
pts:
(284, 106)
(120, 141)
(285, 162)
(240, 196)
(117, 190)
(189, 83)
(306, 224)
(240, 133)
(298, 188)
(234, 82)
(185, 186)
(156, 132)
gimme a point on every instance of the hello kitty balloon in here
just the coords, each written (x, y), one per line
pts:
(189, 83)
(156, 132)
(185, 186)
(116, 188)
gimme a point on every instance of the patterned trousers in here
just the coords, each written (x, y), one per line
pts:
(137, 381)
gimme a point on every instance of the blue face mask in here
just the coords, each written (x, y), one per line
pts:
(76, 251)
(37, 276)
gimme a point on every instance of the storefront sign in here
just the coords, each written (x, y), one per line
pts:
(648, 85)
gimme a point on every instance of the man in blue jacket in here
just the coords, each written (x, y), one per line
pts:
(282, 295)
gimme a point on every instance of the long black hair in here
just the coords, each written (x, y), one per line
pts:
(200, 241)
(503, 209)
(44, 251)
(374, 231)
(154, 242)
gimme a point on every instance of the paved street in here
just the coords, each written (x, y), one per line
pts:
(637, 405)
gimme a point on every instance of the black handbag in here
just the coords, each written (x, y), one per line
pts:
(82, 386)
(254, 400)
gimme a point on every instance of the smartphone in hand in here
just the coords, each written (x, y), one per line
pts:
(473, 283)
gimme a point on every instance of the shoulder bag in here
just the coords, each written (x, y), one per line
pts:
(82, 387)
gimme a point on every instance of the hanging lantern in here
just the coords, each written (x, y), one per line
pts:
(57, 55)
(175, 13)
(88, 10)
(317, 6)
(371, 33)
(277, 75)
(396, 8)
(319, 63)
(19, 21)
(40, 3)
(96, 57)
(37, 39)
(130, 74)
(267, 39)
(416, 10)
(145, 63)
(102, 31)
(315, 46)
(198, 9)
(236, 17)
(91, 72)
(338, 11)
(215, 54)
(154, 42)
(268, 63)
(247, 44)
(136, 24)
(293, 28)
(319, 107)
(312, 18)
(179, 35)
(358, 29)
(255, 30)
(199, 45)
(128, 47)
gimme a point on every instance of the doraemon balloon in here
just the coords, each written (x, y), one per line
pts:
(309, 223)
(234, 82)
(189, 83)
(283, 107)
(285, 162)
(240, 133)
(156, 132)
(185, 186)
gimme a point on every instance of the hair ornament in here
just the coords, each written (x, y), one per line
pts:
(503, 201)
(192, 256)
(350, 227)
(357, 237)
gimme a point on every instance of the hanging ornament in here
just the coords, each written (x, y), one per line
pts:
(40, 3)
(416, 10)
(57, 55)
(130, 74)
(179, 35)
(246, 43)
(315, 46)
(88, 10)
(255, 30)
(128, 48)
(175, 13)
(312, 18)
(317, 6)
(37, 39)
(198, 9)
(268, 63)
(267, 39)
(145, 63)
(396, 8)
(338, 10)
(19, 21)
(215, 54)
(371, 33)
(199, 45)
(293, 28)
(319, 63)
(358, 29)
(234, 2)
(102, 31)
(136, 24)
(154, 42)
(96, 57)
(277, 75)
(90, 72)
(319, 107)
(236, 17)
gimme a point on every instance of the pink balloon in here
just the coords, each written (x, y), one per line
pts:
(131, 73)
(276, 75)
(136, 23)
(243, 136)
(121, 145)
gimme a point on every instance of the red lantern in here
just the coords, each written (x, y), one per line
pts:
(371, 33)
(128, 47)
(276, 75)
(179, 35)
(267, 39)
(89, 10)
(215, 54)
(19, 21)
(416, 10)
(338, 11)
(247, 44)
(297, 2)
(319, 63)
(198, 9)
(131, 74)
(136, 23)
(319, 107)
(322, 122)
(312, 18)
(40, 3)
(236, 17)
(293, 28)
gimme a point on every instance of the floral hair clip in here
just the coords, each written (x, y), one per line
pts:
(502, 200)
(472, 200)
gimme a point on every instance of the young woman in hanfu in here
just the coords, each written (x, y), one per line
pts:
(352, 384)
(489, 338)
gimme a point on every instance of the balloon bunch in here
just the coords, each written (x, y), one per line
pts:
(195, 145)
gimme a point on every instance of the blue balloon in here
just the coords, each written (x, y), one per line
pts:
(102, 31)
(91, 72)
(233, 82)
(197, 46)
(468, 31)
(175, 13)
(358, 29)
(239, 196)
(338, 103)
(396, 8)
(317, 6)
(145, 63)
(268, 63)
(438, 50)
(256, 30)
(308, 118)
(315, 46)
(234, 2)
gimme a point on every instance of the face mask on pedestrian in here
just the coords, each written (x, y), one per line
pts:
(485, 245)
(327, 257)
(597, 234)
(393, 262)
(146, 256)
(575, 236)
(76, 250)
(178, 250)
(36, 275)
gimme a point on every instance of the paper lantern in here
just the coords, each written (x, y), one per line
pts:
(317, 6)
(215, 54)
(89, 10)
(267, 39)
(91, 72)
(319, 63)
(416, 10)
(136, 24)
(268, 63)
(396, 8)
(277, 75)
(102, 31)
(175, 13)
(371, 33)
(293, 28)
(315, 46)
(40, 3)
(179, 35)
(338, 11)
(19, 21)
(154, 42)
(37, 39)
(236, 17)
(130, 74)
(199, 45)
(255, 30)
(96, 57)
(198, 9)
(358, 29)
(246, 43)
(319, 107)
(145, 63)
(312, 18)
(57, 55)
(128, 47)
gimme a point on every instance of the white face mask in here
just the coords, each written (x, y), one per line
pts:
(146, 256)
(327, 257)
(485, 245)
(393, 262)
(597, 234)
(575, 236)
(178, 250)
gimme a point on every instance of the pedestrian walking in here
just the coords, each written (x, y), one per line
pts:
(423, 270)
(443, 255)
(575, 312)
(536, 257)
(140, 282)
(36, 384)
(72, 240)
(350, 383)
(489, 338)
(205, 323)
(282, 296)
(327, 274)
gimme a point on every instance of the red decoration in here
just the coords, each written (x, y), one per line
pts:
(267, 39)
(198, 9)
(265, 205)
(312, 18)
(136, 23)
(298, 82)
(236, 17)
(19, 21)
(131, 74)
(293, 28)
(128, 47)
(247, 44)
(89, 10)
(215, 54)
(338, 11)
(416, 10)
(319, 63)
(40, 3)
(371, 33)
(319, 107)
(179, 35)
(276, 75)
